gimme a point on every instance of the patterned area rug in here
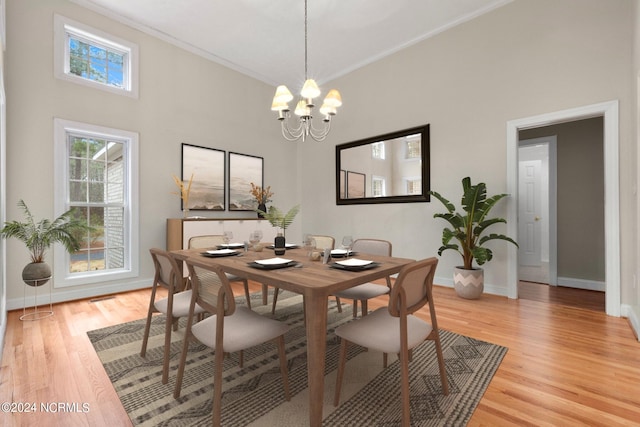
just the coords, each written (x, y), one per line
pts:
(253, 394)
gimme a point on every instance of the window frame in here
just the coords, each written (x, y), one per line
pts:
(61, 55)
(61, 202)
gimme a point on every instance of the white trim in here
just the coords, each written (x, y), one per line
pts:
(62, 25)
(70, 294)
(591, 285)
(60, 266)
(612, 192)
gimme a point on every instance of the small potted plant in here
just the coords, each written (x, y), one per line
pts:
(39, 236)
(281, 220)
(468, 229)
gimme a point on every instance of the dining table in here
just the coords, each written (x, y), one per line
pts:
(316, 281)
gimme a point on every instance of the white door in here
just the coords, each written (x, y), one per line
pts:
(536, 255)
(529, 215)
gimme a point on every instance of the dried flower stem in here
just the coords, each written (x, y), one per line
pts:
(262, 195)
(184, 190)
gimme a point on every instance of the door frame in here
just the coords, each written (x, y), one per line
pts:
(609, 111)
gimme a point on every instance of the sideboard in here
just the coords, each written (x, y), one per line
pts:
(180, 230)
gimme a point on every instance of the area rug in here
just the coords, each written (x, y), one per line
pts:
(254, 396)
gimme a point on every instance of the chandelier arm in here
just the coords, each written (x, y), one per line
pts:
(291, 134)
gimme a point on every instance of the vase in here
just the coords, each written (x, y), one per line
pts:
(36, 273)
(469, 284)
(279, 244)
(263, 208)
(185, 213)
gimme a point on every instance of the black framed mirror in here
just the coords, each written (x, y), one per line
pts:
(390, 168)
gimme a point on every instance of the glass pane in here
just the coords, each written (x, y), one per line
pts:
(115, 258)
(77, 169)
(96, 192)
(115, 192)
(95, 145)
(78, 192)
(96, 171)
(79, 262)
(78, 147)
(96, 259)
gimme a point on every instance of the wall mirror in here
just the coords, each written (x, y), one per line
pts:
(390, 168)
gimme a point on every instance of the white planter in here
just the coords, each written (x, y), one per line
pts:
(469, 284)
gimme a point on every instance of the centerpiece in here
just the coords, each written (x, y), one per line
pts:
(262, 196)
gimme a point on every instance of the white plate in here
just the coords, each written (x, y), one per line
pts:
(232, 245)
(222, 252)
(340, 252)
(273, 261)
(354, 262)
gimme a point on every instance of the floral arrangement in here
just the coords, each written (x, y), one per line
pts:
(184, 190)
(262, 195)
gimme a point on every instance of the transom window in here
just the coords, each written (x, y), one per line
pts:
(91, 57)
(97, 180)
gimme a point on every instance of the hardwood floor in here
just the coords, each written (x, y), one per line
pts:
(581, 298)
(565, 365)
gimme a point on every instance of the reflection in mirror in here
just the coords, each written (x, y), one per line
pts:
(387, 168)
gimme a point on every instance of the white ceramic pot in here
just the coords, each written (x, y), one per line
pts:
(469, 284)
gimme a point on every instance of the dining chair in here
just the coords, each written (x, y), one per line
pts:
(174, 306)
(395, 329)
(212, 241)
(229, 329)
(322, 242)
(366, 291)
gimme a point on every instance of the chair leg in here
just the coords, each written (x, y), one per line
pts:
(247, 294)
(276, 291)
(145, 338)
(339, 304)
(355, 308)
(364, 307)
(183, 361)
(385, 360)
(404, 367)
(167, 349)
(441, 365)
(265, 294)
(241, 358)
(340, 374)
(217, 387)
(283, 367)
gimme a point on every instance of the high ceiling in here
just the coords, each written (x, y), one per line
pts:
(265, 38)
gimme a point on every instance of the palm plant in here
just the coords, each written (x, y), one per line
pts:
(39, 236)
(278, 218)
(468, 228)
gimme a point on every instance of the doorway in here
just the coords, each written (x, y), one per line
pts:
(609, 111)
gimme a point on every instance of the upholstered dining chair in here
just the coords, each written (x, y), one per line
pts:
(174, 306)
(395, 329)
(211, 241)
(322, 242)
(230, 329)
(366, 291)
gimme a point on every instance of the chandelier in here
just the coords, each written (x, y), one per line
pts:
(302, 126)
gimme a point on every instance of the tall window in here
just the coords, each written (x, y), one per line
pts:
(88, 56)
(377, 187)
(414, 186)
(94, 175)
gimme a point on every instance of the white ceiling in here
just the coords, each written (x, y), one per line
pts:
(265, 38)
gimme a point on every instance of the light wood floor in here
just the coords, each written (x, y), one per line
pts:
(565, 365)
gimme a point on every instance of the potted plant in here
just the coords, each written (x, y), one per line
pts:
(468, 229)
(281, 220)
(39, 236)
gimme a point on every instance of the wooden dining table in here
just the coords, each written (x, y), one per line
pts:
(316, 281)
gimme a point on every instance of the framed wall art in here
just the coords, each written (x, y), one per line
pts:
(208, 167)
(243, 170)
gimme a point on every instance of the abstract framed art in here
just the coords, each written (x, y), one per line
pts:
(208, 168)
(244, 170)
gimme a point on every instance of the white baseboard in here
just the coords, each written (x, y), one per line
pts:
(633, 316)
(70, 294)
(591, 285)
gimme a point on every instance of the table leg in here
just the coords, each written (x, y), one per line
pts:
(316, 314)
(265, 294)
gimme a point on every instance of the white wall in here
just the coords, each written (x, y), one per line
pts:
(183, 98)
(524, 59)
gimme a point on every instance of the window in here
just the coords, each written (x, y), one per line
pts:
(377, 187)
(377, 150)
(88, 56)
(413, 148)
(94, 175)
(414, 186)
